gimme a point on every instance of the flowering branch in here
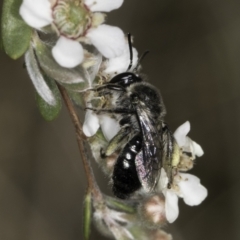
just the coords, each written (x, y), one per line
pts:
(71, 54)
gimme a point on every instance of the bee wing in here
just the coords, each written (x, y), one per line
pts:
(170, 152)
(149, 160)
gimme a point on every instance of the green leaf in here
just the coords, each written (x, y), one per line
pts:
(119, 205)
(71, 76)
(50, 112)
(87, 215)
(36, 75)
(16, 34)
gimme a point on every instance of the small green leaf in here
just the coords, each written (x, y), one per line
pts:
(50, 112)
(119, 205)
(16, 34)
(36, 75)
(72, 76)
(87, 215)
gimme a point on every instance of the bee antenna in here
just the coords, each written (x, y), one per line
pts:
(140, 59)
(130, 51)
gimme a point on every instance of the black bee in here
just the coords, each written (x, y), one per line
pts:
(145, 143)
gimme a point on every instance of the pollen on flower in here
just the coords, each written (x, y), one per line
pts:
(71, 18)
(185, 163)
(97, 19)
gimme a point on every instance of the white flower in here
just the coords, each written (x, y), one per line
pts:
(186, 186)
(186, 143)
(192, 192)
(171, 205)
(76, 21)
(109, 126)
(120, 64)
(35, 13)
(63, 54)
(92, 122)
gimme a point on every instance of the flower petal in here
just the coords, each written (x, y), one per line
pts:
(67, 53)
(92, 64)
(171, 206)
(192, 191)
(198, 151)
(109, 126)
(181, 133)
(103, 5)
(91, 123)
(120, 64)
(109, 40)
(36, 13)
(163, 180)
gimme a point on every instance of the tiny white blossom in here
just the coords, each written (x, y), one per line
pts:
(109, 126)
(186, 186)
(65, 49)
(186, 143)
(83, 26)
(92, 122)
(107, 39)
(171, 206)
(120, 64)
(192, 192)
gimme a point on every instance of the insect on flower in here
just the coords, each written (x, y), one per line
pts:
(144, 143)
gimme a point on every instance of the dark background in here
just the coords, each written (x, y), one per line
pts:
(194, 61)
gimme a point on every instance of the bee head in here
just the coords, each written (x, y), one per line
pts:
(126, 79)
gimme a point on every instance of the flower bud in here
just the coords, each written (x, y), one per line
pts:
(152, 211)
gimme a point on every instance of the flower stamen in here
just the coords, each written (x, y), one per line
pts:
(72, 18)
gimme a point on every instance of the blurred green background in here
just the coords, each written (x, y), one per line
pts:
(195, 61)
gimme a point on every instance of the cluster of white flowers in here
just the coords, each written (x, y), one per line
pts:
(186, 186)
(78, 23)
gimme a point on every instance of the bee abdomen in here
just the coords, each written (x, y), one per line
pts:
(125, 177)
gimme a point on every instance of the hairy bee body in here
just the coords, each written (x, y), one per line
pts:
(146, 143)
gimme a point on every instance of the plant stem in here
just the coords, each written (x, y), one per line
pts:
(92, 186)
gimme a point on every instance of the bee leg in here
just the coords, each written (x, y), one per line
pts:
(117, 142)
(114, 110)
(108, 86)
(171, 154)
(113, 87)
